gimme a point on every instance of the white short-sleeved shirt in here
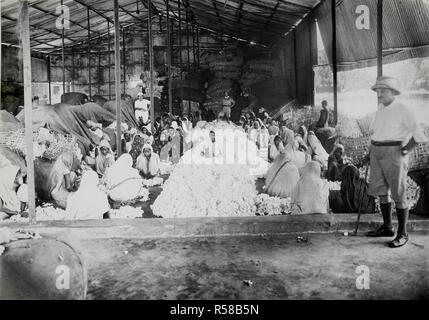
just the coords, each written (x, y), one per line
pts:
(142, 105)
(396, 122)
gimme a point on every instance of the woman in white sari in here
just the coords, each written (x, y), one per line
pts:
(88, 202)
(291, 150)
(123, 182)
(148, 162)
(10, 181)
(311, 194)
(62, 178)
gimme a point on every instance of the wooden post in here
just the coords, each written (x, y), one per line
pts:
(89, 54)
(28, 107)
(99, 67)
(170, 92)
(117, 78)
(49, 78)
(187, 40)
(152, 103)
(189, 57)
(295, 65)
(72, 70)
(62, 54)
(380, 38)
(180, 38)
(194, 65)
(198, 47)
(109, 58)
(334, 60)
(123, 61)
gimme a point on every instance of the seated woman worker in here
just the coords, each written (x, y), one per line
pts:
(12, 179)
(354, 192)
(148, 163)
(62, 180)
(336, 163)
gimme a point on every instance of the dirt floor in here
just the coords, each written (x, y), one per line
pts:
(278, 266)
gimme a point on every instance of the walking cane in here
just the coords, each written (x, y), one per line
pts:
(360, 203)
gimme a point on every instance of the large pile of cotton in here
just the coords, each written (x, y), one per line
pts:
(207, 191)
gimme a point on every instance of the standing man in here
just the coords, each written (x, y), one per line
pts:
(142, 107)
(324, 116)
(396, 133)
(227, 104)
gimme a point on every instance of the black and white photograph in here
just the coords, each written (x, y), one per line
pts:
(210, 155)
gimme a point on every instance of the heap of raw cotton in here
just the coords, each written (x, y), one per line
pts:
(266, 205)
(207, 191)
(234, 144)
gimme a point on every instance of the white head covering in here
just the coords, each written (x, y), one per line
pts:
(88, 202)
(174, 125)
(147, 146)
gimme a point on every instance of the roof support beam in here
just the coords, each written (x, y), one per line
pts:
(94, 10)
(129, 13)
(34, 27)
(56, 16)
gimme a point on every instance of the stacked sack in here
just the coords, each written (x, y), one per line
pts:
(259, 70)
(226, 66)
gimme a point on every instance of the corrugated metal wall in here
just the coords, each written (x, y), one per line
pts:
(300, 48)
(11, 67)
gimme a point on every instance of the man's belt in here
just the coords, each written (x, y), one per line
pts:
(386, 143)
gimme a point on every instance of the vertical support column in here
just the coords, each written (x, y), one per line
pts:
(198, 47)
(189, 57)
(334, 59)
(28, 107)
(180, 37)
(49, 78)
(170, 91)
(123, 61)
(187, 40)
(72, 70)
(89, 54)
(143, 48)
(295, 65)
(99, 67)
(109, 58)
(312, 34)
(117, 78)
(152, 104)
(379, 38)
(62, 52)
(194, 61)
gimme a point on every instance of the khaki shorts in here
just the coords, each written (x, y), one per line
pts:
(227, 111)
(389, 171)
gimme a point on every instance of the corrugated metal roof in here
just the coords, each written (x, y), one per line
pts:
(261, 21)
(405, 26)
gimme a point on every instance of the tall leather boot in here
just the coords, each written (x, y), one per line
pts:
(402, 236)
(386, 230)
